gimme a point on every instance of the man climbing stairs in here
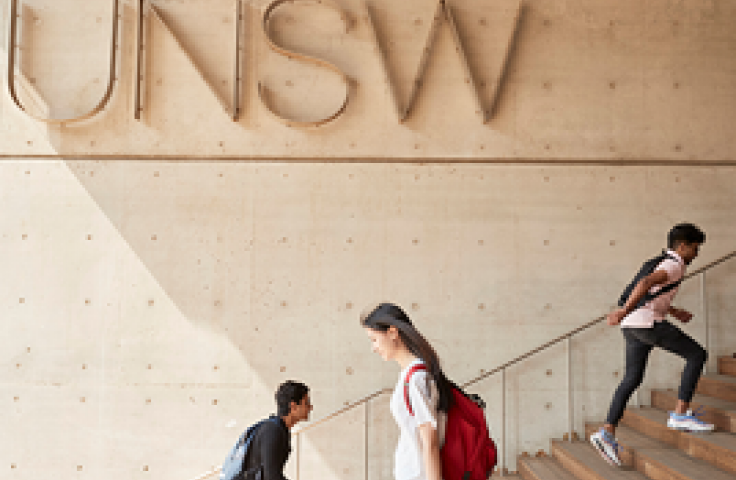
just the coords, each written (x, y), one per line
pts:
(651, 450)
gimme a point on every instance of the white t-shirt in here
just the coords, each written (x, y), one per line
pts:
(656, 310)
(408, 459)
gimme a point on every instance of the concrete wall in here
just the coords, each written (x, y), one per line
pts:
(146, 305)
(151, 305)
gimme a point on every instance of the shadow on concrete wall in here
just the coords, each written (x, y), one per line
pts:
(280, 260)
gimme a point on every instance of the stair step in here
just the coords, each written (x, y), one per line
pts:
(675, 465)
(718, 449)
(727, 366)
(718, 386)
(653, 423)
(544, 468)
(583, 461)
(661, 461)
(722, 413)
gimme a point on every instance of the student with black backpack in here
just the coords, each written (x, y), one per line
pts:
(443, 431)
(644, 306)
(262, 451)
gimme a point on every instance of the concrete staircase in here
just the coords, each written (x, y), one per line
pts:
(651, 450)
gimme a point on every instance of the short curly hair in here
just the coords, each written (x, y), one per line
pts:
(684, 233)
(289, 391)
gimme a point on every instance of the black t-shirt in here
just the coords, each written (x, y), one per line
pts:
(271, 448)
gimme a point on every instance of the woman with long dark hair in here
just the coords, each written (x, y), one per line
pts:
(422, 416)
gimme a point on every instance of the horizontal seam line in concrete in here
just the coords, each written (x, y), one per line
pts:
(381, 160)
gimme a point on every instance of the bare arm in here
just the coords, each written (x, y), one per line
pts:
(682, 315)
(431, 451)
(658, 277)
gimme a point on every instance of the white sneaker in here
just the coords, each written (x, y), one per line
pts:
(607, 446)
(689, 422)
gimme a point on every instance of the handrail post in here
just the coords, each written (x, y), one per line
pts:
(704, 312)
(365, 440)
(298, 452)
(570, 417)
(503, 422)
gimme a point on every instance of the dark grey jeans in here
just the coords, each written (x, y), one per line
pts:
(639, 344)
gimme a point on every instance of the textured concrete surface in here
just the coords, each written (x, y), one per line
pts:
(147, 305)
(625, 80)
(151, 303)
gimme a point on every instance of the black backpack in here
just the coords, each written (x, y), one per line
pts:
(646, 269)
(232, 467)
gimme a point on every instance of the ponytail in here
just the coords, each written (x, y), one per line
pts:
(388, 315)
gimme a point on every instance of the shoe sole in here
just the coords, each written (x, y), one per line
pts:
(602, 451)
(689, 430)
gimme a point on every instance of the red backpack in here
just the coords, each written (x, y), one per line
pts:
(468, 452)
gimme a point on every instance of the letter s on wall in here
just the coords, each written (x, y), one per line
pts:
(307, 59)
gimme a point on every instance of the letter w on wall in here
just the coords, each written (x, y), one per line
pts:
(444, 12)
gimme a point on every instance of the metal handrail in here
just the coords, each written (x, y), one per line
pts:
(586, 326)
(510, 362)
(346, 408)
(501, 368)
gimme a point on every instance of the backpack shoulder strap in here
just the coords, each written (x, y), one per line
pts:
(251, 431)
(415, 368)
(649, 297)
